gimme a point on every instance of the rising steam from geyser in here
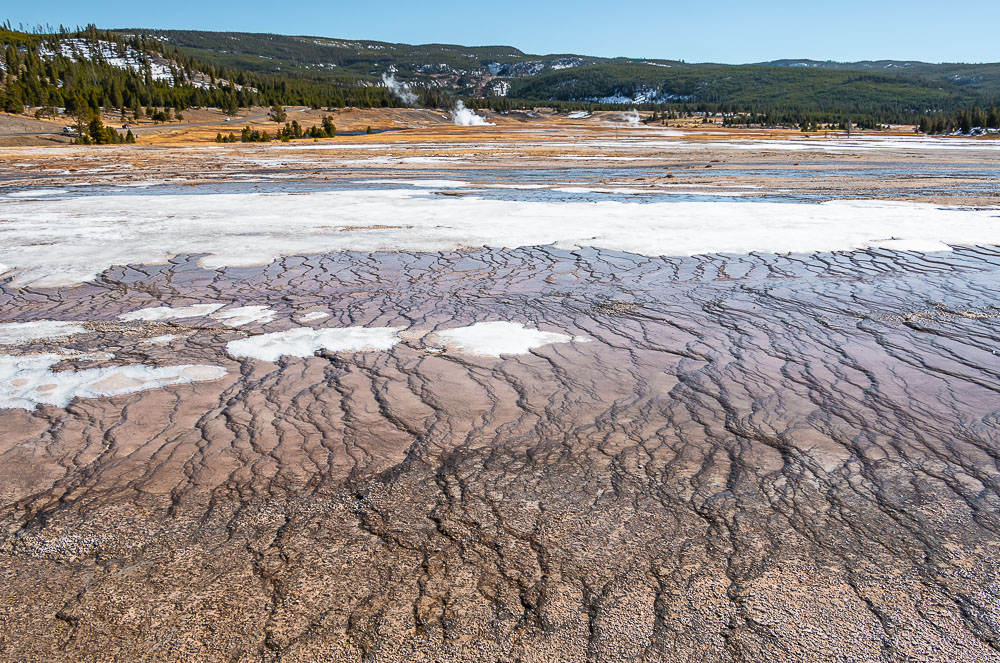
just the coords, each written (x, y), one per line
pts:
(399, 89)
(464, 117)
(460, 115)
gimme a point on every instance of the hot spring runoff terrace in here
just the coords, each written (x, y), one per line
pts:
(559, 392)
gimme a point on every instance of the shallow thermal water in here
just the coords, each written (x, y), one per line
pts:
(55, 241)
(422, 406)
(798, 452)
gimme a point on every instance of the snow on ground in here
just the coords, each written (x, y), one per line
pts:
(599, 157)
(244, 315)
(862, 144)
(56, 242)
(620, 190)
(672, 191)
(493, 339)
(29, 381)
(426, 184)
(18, 333)
(305, 341)
(122, 57)
(170, 313)
(519, 185)
(314, 315)
(431, 159)
(34, 193)
(234, 317)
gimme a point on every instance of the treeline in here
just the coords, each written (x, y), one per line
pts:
(36, 72)
(291, 131)
(95, 133)
(787, 95)
(808, 121)
(733, 114)
(967, 121)
(39, 69)
(332, 58)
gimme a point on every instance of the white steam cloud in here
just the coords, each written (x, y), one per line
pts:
(399, 89)
(464, 117)
(631, 118)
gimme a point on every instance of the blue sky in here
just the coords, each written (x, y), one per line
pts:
(721, 31)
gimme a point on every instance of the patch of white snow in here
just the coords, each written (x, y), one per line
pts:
(18, 333)
(244, 315)
(305, 341)
(28, 381)
(170, 313)
(493, 339)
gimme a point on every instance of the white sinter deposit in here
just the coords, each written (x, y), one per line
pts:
(493, 339)
(18, 333)
(305, 341)
(53, 242)
(29, 381)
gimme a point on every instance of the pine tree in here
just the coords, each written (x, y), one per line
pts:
(993, 118)
(12, 102)
(329, 127)
(965, 122)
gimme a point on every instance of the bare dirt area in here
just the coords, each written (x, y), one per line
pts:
(546, 390)
(753, 163)
(21, 130)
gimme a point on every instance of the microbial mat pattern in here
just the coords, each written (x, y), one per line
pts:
(505, 453)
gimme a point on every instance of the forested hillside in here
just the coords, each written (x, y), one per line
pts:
(751, 88)
(134, 71)
(137, 68)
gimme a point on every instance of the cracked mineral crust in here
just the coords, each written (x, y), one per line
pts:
(531, 453)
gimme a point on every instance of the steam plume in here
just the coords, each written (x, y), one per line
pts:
(464, 117)
(399, 89)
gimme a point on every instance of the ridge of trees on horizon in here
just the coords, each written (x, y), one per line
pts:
(27, 78)
(35, 73)
(965, 121)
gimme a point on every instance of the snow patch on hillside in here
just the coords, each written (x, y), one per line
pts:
(500, 88)
(122, 57)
